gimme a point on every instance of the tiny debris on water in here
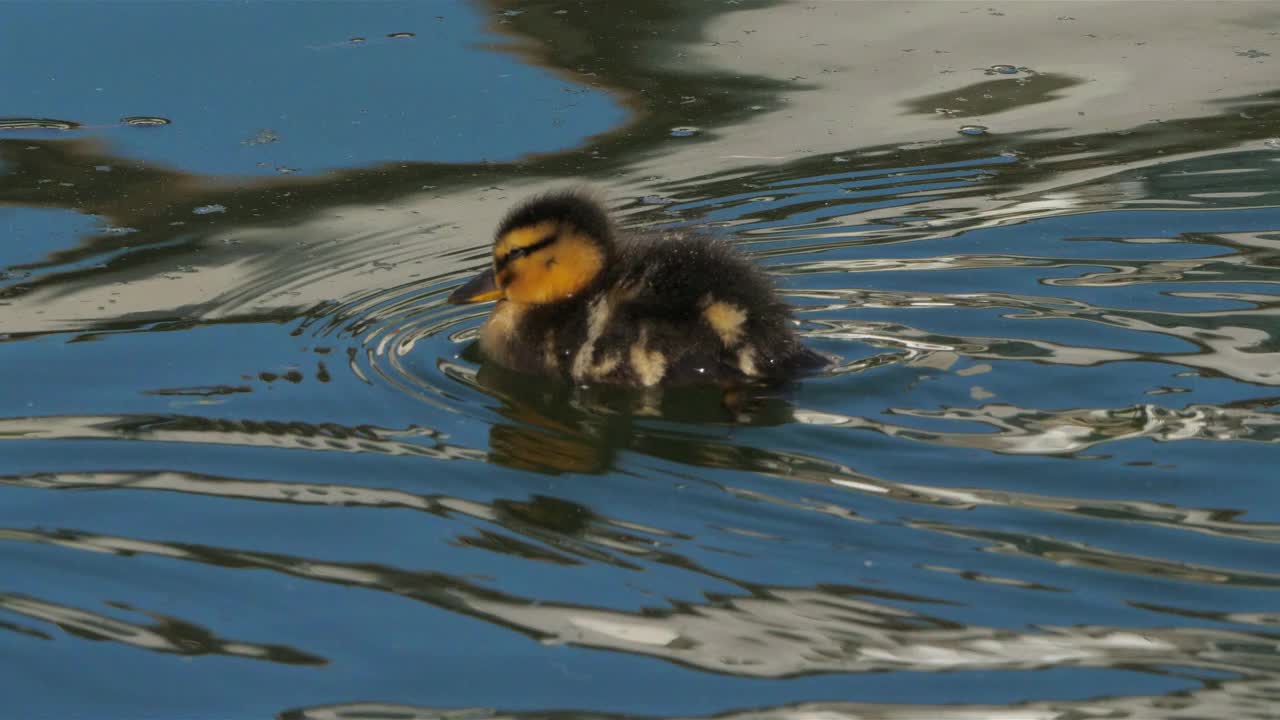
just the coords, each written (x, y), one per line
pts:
(683, 131)
(209, 209)
(400, 35)
(973, 130)
(1007, 70)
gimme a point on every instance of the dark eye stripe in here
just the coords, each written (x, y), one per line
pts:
(519, 252)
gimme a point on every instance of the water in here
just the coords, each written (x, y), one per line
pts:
(251, 467)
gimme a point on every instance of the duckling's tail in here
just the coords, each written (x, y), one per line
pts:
(806, 361)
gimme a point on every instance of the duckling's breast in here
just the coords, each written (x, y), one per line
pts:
(498, 336)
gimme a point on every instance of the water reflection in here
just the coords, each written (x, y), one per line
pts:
(165, 634)
(1058, 336)
(1249, 698)
(766, 632)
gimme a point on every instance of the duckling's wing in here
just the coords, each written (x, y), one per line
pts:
(713, 314)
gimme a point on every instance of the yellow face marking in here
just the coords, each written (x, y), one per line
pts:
(649, 365)
(726, 319)
(523, 237)
(558, 264)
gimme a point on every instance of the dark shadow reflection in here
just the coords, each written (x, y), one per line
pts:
(995, 96)
(165, 635)
(562, 427)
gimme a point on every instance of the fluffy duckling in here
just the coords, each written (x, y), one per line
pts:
(579, 303)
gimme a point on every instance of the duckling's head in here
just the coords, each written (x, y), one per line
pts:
(546, 250)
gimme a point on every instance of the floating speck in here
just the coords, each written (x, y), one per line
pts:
(840, 159)
(284, 170)
(264, 137)
(560, 12)
(145, 121)
(209, 209)
(1002, 70)
(357, 40)
(511, 13)
(400, 35)
(1273, 143)
(756, 108)
(37, 124)
(684, 131)
(102, 168)
(973, 130)
(119, 230)
(1251, 53)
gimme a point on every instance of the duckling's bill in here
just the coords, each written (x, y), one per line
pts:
(481, 288)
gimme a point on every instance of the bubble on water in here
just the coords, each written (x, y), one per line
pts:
(209, 209)
(973, 130)
(145, 121)
(684, 131)
(20, 123)
(400, 35)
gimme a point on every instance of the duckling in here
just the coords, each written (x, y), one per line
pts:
(578, 302)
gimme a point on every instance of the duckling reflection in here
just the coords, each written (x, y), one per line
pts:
(548, 519)
(558, 428)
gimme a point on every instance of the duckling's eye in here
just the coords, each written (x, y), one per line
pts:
(518, 252)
